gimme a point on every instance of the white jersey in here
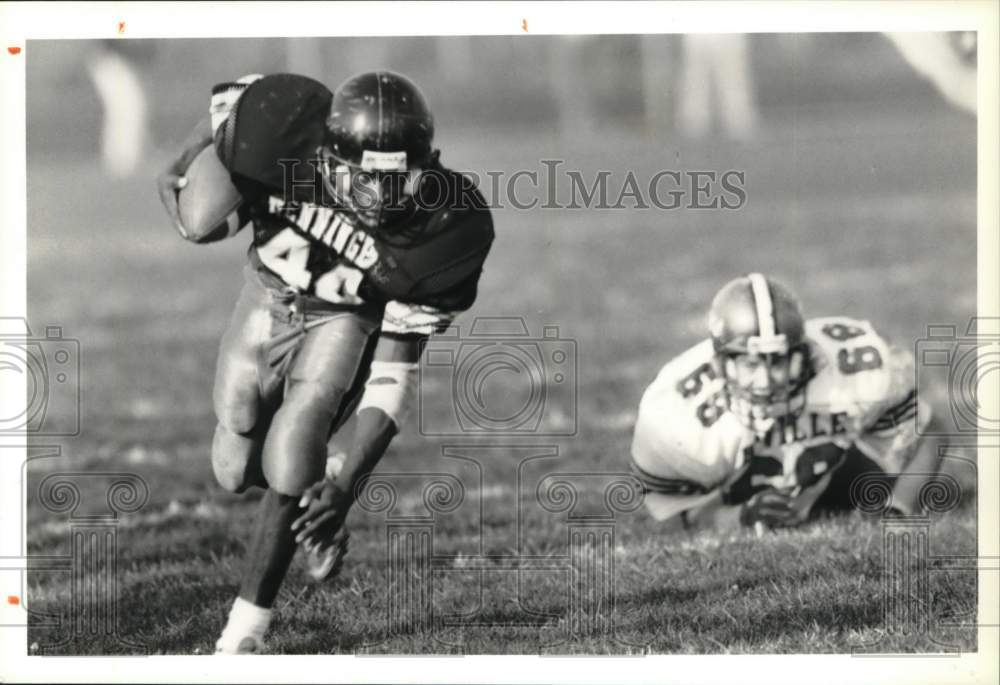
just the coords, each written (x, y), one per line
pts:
(862, 392)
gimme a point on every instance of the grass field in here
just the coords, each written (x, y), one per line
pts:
(868, 211)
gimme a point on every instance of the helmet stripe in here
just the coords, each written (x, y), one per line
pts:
(381, 128)
(765, 307)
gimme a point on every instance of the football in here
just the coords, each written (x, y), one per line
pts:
(209, 203)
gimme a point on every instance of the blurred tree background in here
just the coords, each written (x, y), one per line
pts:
(565, 86)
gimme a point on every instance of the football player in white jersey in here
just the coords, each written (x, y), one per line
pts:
(770, 420)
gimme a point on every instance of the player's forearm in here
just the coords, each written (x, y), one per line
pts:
(921, 469)
(713, 514)
(372, 435)
(390, 391)
(170, 182)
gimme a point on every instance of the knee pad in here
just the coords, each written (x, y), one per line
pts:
(238, 416)
(236, 396)
(235, 459)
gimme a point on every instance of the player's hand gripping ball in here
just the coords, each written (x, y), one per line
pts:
(770, 509)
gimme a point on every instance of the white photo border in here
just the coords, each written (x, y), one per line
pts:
(22, 23)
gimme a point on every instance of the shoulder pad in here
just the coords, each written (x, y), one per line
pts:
(683, 429)
(225, 96)
(446, 252)
(277, 117)
(857, 372)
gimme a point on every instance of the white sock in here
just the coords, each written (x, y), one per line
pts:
(245, 618)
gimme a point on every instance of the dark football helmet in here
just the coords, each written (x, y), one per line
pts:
(380, 136)
(758, 333)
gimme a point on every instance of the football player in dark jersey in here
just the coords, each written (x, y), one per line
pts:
(363, 245)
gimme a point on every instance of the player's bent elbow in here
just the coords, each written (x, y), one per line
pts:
(211, 237)
(224, 230)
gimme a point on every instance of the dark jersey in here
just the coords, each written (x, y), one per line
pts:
(269, 133)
